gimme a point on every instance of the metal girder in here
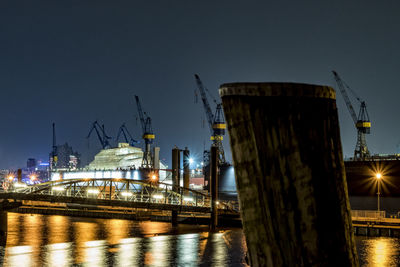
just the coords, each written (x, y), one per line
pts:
(113, 192)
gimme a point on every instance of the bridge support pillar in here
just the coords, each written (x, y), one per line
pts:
(214, 187)
(175, 181)
(3, 227)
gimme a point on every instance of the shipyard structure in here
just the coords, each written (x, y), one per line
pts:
(123, 161)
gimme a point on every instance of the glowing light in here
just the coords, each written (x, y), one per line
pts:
(10, 177)
(93, 191)
(154, 177)
(158, 196)
(20, 185)
(188, 199)
(20, 254)
(95, 253)
(126, 194)
(58, 188)
(188, 244)
(32, 177)
(202, 163)
(129, 252)
(191, 160)
(378, 175)
(58, 254)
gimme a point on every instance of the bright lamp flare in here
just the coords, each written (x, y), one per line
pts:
(93, 191)
(378, 175)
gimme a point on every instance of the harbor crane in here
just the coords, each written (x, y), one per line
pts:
(103, 137)
(54, 152)
(216, 122)
(148, 135)
(361, 122)
(125, 133)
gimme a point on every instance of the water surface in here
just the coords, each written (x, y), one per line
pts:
(37, 240)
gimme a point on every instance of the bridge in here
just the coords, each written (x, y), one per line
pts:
(110, 198)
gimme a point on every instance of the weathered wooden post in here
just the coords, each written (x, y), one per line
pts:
(175, 181)
(214, 186)
(186, 168)
(3, 227)
(290, 174)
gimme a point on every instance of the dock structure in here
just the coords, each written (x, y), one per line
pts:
(374, 223)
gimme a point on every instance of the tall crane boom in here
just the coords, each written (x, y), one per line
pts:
(361, 122)
(148, 135)
(345, 96)
(124, 131)
(216, 122)
(206, 105)
(103, 137)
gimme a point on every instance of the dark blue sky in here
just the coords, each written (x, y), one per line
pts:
(73, 62)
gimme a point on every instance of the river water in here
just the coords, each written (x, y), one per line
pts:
(37, 240)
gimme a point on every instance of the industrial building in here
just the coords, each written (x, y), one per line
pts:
(123, 161)
(67, 158)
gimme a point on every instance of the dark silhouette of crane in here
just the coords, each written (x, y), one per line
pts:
(216, 122)
(148, 135)
(54, 152)
(361, 122)
(101, 134)
(125, 133)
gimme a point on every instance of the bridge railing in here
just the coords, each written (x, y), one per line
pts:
(127, 190)
(117, 189)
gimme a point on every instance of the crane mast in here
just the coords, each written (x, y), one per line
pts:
(216, 122)
(148, 135)
(361, 122)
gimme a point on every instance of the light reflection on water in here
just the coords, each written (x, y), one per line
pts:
(378, 251)
(36, 240)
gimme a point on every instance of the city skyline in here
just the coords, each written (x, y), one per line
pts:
(73, 63)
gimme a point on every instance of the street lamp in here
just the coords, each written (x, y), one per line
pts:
(378, 177)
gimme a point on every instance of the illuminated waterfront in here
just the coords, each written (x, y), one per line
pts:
(36, 240)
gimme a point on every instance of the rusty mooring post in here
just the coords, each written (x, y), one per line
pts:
(290, 174)
(175, 181)
(19, 175)
(214, 186)
(186, 168)
(3, 227)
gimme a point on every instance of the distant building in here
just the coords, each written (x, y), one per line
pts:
(66, 158)
(3, 174)
(31, 164)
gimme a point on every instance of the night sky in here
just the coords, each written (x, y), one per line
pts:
(72, 62)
